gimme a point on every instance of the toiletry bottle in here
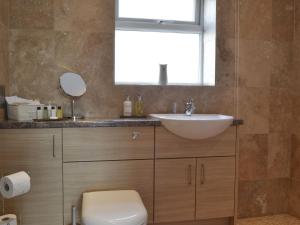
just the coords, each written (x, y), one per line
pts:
(39, 113)
(45, 113)
(49, 110)
(53, 113)
(59, 112)
(127, 107)
(174, 107)
(163, 74)
(139, 106)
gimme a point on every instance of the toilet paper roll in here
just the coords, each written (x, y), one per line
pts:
(8, 219)
(15, 184)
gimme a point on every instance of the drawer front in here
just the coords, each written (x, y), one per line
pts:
(108, 143)
(168, 145)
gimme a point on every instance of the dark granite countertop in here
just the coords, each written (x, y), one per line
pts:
(96, 122)
(80, 123)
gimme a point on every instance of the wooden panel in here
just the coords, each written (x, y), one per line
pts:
(31, 150)
(219, 221)
(110, 175)
(215, 187)
(108, 143)
(169, 145)
(174, 190)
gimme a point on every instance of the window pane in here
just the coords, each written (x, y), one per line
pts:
(179, 10)
(139, 54)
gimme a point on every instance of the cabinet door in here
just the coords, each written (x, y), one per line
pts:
(174, 190)
(215, 187)
(38, 152)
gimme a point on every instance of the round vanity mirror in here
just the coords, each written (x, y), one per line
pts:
(74, 86)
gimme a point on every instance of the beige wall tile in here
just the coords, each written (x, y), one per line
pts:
(277, 198)
(255, 19)
(282, 69)
(4, 35)
(225, 63)
(295, 158)
(281, 110)
(226, 10)
(253, 107)
(279, 155)
(252, 200)
(253, 157)
(4, 69)
(92, 16)
(4, 13)
(32, 70)
(263, 197)
(297, 21)
(294, 197)
(283, 20)
(31, 14)
(255, 63)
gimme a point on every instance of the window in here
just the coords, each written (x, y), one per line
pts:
(150, 33)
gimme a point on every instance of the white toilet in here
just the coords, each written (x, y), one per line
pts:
(113, 208)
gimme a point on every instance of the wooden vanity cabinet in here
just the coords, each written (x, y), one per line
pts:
(179, 180)
(38, 152)
(215, 187)
(174, 190)
(194, 189)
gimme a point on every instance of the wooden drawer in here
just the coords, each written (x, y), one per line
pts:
(82, 177)
(108, 143)
(168, 145)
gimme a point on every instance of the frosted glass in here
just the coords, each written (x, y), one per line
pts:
(179, 10)
(139, 54)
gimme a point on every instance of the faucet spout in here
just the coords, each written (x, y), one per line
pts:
(189, 107)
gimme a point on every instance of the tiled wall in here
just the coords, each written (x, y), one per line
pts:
(49, 37)
(295, 163)
(4, 33)
(265, 101)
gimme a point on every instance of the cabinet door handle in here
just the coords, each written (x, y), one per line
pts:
(189, 175)
(202, 178)
(135, 135)
(53, 146)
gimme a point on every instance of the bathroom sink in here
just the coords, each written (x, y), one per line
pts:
(196, 126)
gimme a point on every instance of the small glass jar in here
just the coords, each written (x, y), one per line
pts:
(45, 113)
(53, 113)
(39, 113)
(59, 112)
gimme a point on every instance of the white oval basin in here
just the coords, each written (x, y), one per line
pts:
(196, 126)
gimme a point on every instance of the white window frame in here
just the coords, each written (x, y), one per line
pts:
(137, 24)
(172, 26)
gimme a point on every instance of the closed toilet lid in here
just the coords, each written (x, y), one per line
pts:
(113, 208)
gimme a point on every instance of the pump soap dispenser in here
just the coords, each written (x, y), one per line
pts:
(139, 107)
(127, 107)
